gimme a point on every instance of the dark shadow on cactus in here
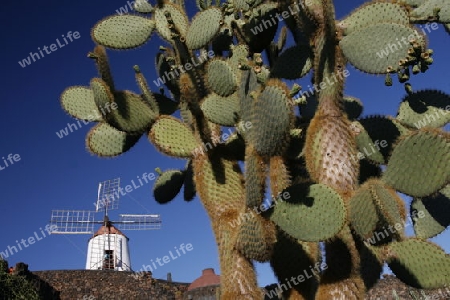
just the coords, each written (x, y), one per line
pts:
(122, 107)
(381, 129)
(298, 194)
(338, 261)
(439, 208)
(404, 275)
(371, 267)
(419, 100)
(368, 170)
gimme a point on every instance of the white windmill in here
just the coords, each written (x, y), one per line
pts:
(108, 247)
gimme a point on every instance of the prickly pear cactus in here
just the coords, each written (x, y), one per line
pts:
(334, 175)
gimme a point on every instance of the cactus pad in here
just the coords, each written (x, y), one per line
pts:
(204, 27)
(256, 237)
(363, 212)
(221, 78)
(143, 7)
(368, 49)
(419, 263)
(315, 213)
(106, 141)
(293, 63)
(383, 132)
(168, 185)
(255, 178)
(172, 137)
(132, 115)
(103, 98)
(123, 32)
(375, 13)
(221, 110)
(427, 10)
(366, 145)
(420, 163)
(436, 217)
(271, 119)
(425, 108)
(178, 16)
(78, 101)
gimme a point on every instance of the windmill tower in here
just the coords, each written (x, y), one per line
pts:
(108, 247)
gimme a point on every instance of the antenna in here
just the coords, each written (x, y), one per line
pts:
(108, 247)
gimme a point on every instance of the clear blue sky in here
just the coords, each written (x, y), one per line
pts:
(56, 173)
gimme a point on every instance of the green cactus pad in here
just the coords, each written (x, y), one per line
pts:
(168, 185)
(221, 110)
(425, 108)
(383, 132)
(132, 115)
(255, 178)
(364, 48)
(388, 204)
(446, 191)
(123, 31)
(315, 213)
(374, 207)
(143, 7)
(353, 107)
(413, 3)
(100, 57)
(427, 10)
(420, 163)
(221, 78)
(363, 212)
(256, 237)
(271, 119)
(78, 101)
(204, 27)
(172, 137)
(374, 13)
(103, 98)
(178, 16)
(240, 53)
(419, 263)
(435, 218)
(147, 94)
(106, 141)
(189, 190)
(366, 146)
(293, 63)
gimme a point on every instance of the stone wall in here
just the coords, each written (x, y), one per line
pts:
(98, 285)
